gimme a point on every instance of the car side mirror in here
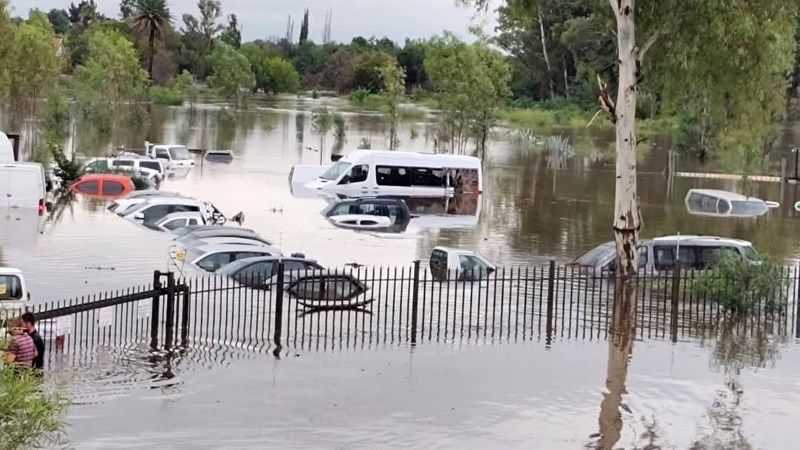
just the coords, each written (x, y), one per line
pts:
(138, 216)
(489, 270)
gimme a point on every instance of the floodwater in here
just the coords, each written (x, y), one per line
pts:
(436, 395)
(528, 213)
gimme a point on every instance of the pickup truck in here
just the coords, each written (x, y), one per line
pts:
(172, 156)
(451, 264)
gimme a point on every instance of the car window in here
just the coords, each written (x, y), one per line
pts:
(162, 153)
(664, 257)
(643, 257)
(325, 288)
(174, 224)
(154, 165)
(155, 212)
(98, 165)
(687, 254)
(88, 187)
(243, 255)
(193, 222)
(213, 262)
(112, 188)
(122, 163)
(472, 266)
(341, 210)
(10, 287)
(255, 273)
(298, 266)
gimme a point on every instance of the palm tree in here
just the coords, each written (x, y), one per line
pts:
(150, 20)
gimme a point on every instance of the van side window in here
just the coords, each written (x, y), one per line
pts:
(358, 174)
(642, 257)
(428, 177)
(664, 257)
(393, 176)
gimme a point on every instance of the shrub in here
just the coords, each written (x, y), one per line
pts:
(742, 287)
(166, 95)
(31, 415)
(67, 169)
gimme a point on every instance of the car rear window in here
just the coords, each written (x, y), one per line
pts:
(10, 287)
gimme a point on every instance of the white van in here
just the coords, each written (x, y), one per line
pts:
(22, 185)
(380, 172)
(6, 149)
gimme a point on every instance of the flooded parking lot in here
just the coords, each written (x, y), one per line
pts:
(451, 394)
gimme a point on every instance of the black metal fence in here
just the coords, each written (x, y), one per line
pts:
(380, 305)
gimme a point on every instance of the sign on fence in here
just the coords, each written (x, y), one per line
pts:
(63, 325)
(143, 311)
(105, 317)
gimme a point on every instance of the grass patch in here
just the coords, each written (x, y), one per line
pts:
(574, 117)
(163, 95)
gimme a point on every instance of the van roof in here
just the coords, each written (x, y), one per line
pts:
(696, 238)
(10, 271)
(444, 159)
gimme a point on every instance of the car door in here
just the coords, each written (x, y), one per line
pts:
(354, 183)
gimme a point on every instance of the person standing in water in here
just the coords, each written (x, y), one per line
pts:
(21, 350)
(29, 323)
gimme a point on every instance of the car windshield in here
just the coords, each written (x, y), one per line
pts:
(595, 256)
(179, 153)
(336, 170)
(750, 253)
(750, 207)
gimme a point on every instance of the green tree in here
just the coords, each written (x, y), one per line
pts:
(232, 35)
(110, 78)
(394, 81)
(233, 78)
(412, 59)
(470, 82)
(367, 73)
(322, 120)
(304, 28)
(280, 76)
(151, 21)
(59, 19)
(35, 69)
(199, 34)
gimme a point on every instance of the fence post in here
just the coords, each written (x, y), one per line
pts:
(185, 316)
(278, 310)
(551, 281)
(414, 303)
(170, 327)
(155, 308)
(676, 290)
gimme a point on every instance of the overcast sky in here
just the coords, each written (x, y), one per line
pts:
(396, 19)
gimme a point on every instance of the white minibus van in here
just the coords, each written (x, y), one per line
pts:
(379, 172)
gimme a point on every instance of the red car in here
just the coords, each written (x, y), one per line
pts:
(103, 185)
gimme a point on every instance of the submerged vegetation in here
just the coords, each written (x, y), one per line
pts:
(742, 287)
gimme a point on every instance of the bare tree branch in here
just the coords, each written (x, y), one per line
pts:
(606, 103)
(649, 43)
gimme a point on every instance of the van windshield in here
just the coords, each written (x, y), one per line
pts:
(10, 288)
(750, 253)
(179, 153)
(336, 170)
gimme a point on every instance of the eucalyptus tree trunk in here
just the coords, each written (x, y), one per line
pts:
(627, 220)
(546, 55)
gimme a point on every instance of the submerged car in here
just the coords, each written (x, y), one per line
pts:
(457, 264)
(718, 203)
(103, 185)
(325, 289)
(138, 197)
(664, 253)
(259, 273)
(376, 214)
(212, 257)
(176, 220)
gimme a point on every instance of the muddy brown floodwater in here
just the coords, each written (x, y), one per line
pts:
(452, 394)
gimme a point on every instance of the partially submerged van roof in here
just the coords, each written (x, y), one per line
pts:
(409, 157)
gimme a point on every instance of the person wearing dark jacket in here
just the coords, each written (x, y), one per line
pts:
(29, 323)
